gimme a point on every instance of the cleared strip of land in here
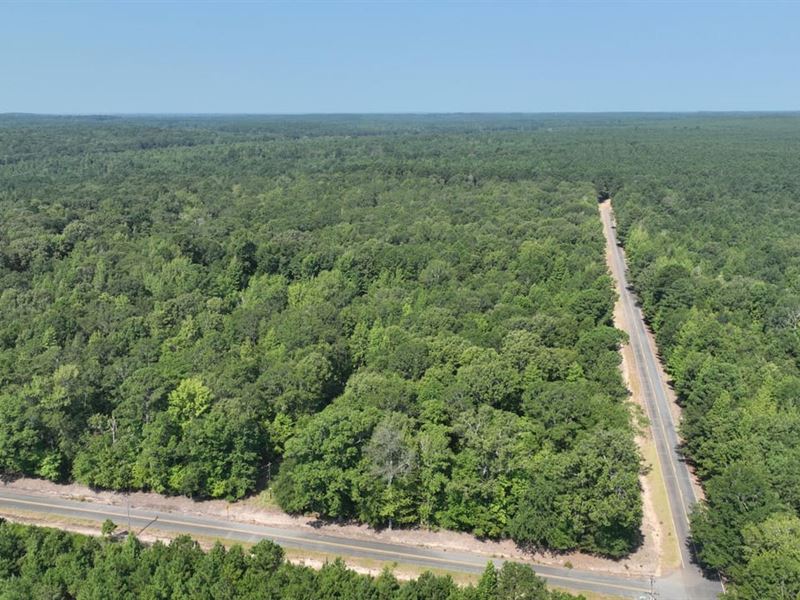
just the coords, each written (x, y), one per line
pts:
(688, 581)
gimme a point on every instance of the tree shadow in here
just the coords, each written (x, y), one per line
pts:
(708, 573)
(8, 477)
(636, 540)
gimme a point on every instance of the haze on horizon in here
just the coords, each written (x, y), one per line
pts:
(398, 58)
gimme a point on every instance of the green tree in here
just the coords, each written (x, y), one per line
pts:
(189, 400)
(740, 496)
(108, 527)
(487, 585)
(771, 567)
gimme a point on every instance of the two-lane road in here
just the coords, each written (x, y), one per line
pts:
(677, 478)
(15, 502)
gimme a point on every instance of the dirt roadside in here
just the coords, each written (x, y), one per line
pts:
(254, 510)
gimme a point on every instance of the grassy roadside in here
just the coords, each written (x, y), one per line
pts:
(74, 524)
(670, 554)
(309, 558)
(589, 595)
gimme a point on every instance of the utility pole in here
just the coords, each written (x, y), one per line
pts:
(653, 594)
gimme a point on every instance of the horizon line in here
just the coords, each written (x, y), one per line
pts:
(399, 113)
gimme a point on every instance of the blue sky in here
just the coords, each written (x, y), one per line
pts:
(183, 57)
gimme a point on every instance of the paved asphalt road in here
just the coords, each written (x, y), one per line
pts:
(306, 540)
(685, 584)
(676, 474)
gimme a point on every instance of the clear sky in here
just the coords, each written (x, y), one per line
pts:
(184, 57)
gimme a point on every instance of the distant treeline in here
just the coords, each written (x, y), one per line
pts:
(410, 316)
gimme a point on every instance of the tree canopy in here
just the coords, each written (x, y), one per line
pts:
(392, 330)
(47, 563)
(407, 319)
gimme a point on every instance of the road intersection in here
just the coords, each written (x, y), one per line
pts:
(687, 583)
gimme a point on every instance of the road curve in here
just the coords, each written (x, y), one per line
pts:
(677, 478)
(13, 502)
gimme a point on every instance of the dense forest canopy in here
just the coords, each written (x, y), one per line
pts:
(47, 563)
(190, 312)
(406, 319)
